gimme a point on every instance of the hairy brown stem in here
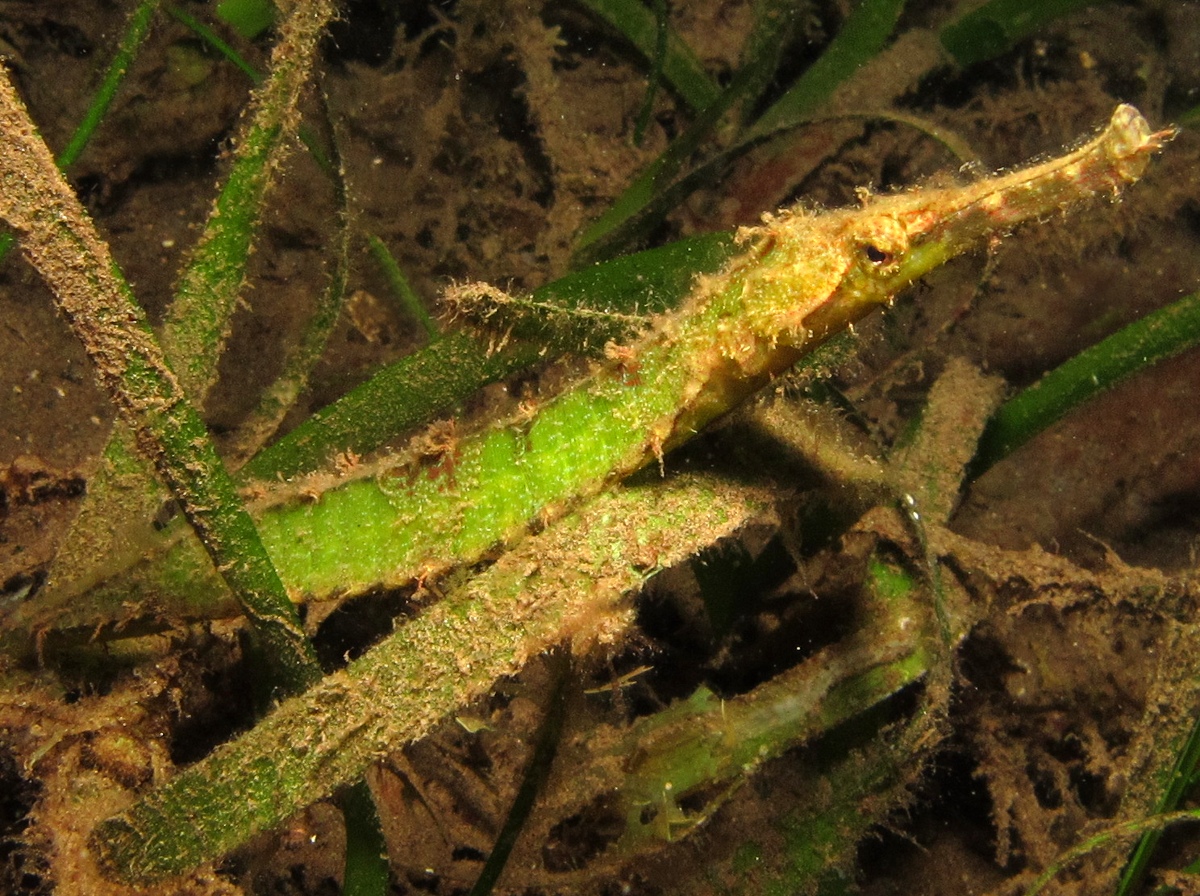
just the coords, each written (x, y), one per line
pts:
(61, 242)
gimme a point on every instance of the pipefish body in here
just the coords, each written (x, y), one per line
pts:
(799, 277)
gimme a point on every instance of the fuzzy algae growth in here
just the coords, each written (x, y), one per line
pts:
(800, 276)
(799, 279)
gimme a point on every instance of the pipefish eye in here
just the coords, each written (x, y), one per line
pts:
(879, 241)
(875, 255)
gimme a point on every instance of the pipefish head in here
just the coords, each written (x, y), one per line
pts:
(894, 240)
(843, 264)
